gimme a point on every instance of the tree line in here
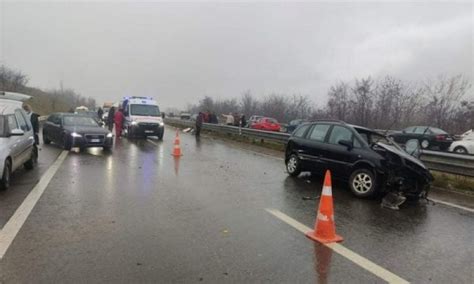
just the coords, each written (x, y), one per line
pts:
(43, 101)
(387, 103)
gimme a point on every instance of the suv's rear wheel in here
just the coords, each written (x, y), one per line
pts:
(7, 171)
(363, 183)
(293, 165)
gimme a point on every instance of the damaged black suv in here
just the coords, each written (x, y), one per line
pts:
(371, 162)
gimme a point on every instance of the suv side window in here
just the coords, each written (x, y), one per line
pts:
(21, 120)
(301, 131)
(339, 133)
(319, 131)
(12, 124)
(51, 118)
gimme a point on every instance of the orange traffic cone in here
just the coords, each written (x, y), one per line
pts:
(177, 148)
(325, 228)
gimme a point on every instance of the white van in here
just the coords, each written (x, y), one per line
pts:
(142, 117)
(17, 140)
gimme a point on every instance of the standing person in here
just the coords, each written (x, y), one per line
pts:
(199, 120)
(100, 113)
(110, 119)
(243, 121)
(229, 119)
(118, 119)
(34, 121)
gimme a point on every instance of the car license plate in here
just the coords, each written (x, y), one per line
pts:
(95, 140)
(148, 131)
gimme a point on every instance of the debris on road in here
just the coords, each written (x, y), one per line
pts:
(311, 197)
(393, 201)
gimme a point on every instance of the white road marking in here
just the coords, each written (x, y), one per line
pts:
(343, 251)
(451, 204)
(13, 226)
(152, 142)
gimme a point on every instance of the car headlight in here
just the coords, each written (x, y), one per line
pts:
(76, 135)
(134, 123)
(161, 123)
(110, 135)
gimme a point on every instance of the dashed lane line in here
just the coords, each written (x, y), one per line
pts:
(343, 251)
(13, 226)
(452, 205)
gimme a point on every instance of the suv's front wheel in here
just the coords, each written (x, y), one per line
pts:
(363, 183)
(293, 165)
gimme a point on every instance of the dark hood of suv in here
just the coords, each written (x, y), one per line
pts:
(402, 154)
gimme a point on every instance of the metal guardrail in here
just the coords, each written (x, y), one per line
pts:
(439, 161)
(449, 162)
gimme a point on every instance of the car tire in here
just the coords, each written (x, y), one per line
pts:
(460, 150)
(46, 140)
(160, 136)
(293, 165)
(107, 148)
(425, 144)
(363, 183)
(6, 176)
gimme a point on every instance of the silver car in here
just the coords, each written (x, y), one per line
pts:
(17, 142)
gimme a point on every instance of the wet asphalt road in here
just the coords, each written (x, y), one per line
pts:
(140, 215)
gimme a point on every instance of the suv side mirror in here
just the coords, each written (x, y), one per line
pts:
(17, 132)
(413, 148)
(346, 143)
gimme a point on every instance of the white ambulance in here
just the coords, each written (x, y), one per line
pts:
(142, 117)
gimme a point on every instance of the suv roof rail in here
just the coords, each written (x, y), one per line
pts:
(14, 96)
(329, 120)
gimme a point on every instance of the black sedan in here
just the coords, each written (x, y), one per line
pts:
(429, 137)
(75, 130)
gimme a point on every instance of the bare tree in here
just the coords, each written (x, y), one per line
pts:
(338, 103)
(362, 101)
(248, 104)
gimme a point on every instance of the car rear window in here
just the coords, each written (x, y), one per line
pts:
(421, 130)
(319, 131)
(339, 133)
(435, 130)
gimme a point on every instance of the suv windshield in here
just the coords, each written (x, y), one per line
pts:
(2, 126)
(144, 110)
(79, 121)
(373, 138)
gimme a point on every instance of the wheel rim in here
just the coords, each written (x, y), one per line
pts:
(362, 183)
(291, 165)
(460, 150)
(425, 143)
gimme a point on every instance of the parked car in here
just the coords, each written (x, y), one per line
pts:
(75, 130)
(266, 123)
(294, 124)
(185, 116)
(429, 137)
(371, 162)
(465, 145)
(17, 141)
(253, 119)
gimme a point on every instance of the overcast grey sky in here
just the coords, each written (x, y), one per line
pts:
(179, 52)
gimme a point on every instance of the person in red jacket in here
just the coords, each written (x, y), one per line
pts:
(118, 119)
